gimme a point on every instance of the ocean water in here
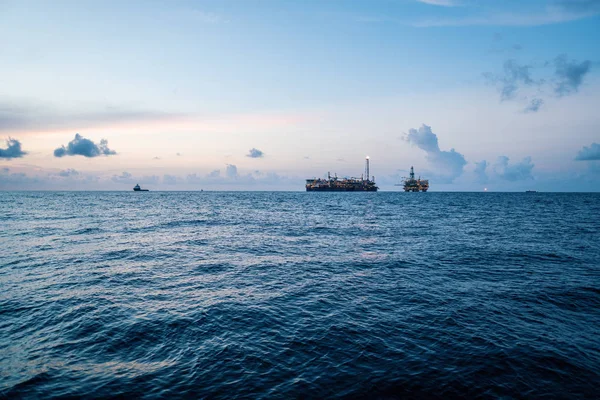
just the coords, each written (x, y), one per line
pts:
(299, 295)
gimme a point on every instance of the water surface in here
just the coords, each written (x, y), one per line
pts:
(284, 295)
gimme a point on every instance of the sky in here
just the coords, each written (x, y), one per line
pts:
(500, 95)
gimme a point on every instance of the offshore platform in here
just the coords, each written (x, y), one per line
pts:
(414, 185)
(335, 184)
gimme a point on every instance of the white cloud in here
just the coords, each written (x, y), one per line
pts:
(448, 164)
(550, 13)
(443, 3)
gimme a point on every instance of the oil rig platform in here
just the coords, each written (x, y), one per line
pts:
(411, 184)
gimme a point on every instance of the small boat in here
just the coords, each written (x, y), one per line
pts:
(531, 191)
(137, 188)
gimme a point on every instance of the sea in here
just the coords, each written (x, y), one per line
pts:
(283, 295)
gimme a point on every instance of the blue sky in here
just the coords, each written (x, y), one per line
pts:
(181, 91)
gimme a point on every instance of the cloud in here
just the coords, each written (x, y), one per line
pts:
(231, 171)
(423, 138)
(581, 6)
(589, 153)
(448, 164)
(566, 79)
(13, 149)
(491, 13)
(18, 180)
(502, 170)
(255, 153)
(34, 178)
(170, 180)
(68, 172)
(515, 172)
(125, 176)
(499, 48)
(192, 16)
(569, 74)
(443, 3)
(206, 17)
(81, 146)
(514, 75)
(234, 179)
(68, 179)
(199, 179)
(20, 116)
(128, 178)
(193, 179)
(480, 171)
(496, 13)
(534, 105)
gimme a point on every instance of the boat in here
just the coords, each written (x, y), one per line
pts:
(335, 184)
(137, 188)
(414, 185)
(531, 191)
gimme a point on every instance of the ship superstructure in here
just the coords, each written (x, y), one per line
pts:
(335, 184)
(415, 185)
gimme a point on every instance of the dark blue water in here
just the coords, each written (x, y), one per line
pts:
(287, 295)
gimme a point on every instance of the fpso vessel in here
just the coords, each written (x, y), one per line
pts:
(415, 185)
(334, 184)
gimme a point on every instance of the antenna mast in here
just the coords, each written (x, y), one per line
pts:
(367, 167)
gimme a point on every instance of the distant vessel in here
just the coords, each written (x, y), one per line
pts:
(531, 191)
(334, 184)
(137, 188)
(415, 185)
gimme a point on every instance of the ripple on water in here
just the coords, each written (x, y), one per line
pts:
(279, 295)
